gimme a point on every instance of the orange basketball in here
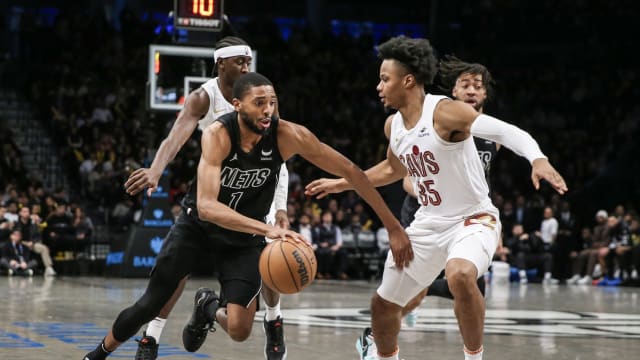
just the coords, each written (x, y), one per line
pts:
(287, 266)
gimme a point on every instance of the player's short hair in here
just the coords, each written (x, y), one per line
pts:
(246, 82)
(450, 69)
(416, 55)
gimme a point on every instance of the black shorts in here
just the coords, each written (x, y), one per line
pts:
(237, 265)
(408, 212)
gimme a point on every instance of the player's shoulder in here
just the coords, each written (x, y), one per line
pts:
(198, 97)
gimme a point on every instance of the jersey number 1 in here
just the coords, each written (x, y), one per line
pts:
(235, 199)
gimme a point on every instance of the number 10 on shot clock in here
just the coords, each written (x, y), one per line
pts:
(204, 15)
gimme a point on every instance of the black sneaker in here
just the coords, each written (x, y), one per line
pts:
(147, 348)
(99, 353)
(204, 314)
(274, 348)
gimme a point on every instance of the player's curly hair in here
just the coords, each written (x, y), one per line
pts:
(450, 68)
(416, 55)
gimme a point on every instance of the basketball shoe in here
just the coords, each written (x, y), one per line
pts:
(147, 348)
(274, 348)
(206, 303)
(366, 347)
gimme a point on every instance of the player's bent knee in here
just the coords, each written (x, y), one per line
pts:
(239, 332)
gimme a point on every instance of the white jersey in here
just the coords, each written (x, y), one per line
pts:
(218, 105)
(448, 177)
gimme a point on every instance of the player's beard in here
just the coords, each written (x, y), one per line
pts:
(479, 106)
(250, 124)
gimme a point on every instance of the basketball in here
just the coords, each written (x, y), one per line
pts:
(287, 266)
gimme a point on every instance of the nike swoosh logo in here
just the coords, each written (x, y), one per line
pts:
(202, 297)
(267, 153)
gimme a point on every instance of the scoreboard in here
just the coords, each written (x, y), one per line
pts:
(204, 15)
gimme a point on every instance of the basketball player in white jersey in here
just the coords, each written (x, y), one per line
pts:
(202, 107)
(456, 227)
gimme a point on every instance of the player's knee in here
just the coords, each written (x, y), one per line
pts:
(462, 277)
(239, 332)
(382, 306)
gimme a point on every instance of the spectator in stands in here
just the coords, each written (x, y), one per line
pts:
(566, 241)
(83, 225)
(305, 229)
(28, 225)
(585, 258)
(11, 213)
(327, 238)
(59, 233)
(5, 225)
(618, 253)
(529, 252)
(16, 257)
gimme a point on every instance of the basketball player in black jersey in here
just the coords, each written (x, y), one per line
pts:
(202, 107)
(225, 209)
(473, 84)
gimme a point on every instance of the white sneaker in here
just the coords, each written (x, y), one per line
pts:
(411, 318)
(10, 272)
(366, 347)
(597, 271)
(585, 280)
(49, 272)
(634, 274)
(29, 272)
(524, 281)
(573, 280)
(550, 281)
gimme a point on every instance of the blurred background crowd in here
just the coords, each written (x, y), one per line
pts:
(74, 123)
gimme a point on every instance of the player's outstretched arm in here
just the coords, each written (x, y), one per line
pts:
(385, 172)
(458, 116)
(296, 139)
(196, 105)
(216, 146)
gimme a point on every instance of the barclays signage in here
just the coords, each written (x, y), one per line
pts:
(159, 218)
(155, 245)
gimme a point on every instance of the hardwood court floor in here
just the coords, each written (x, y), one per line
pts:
(63, 318)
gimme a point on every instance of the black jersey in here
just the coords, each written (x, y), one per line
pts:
(487, 151)
(247, 180)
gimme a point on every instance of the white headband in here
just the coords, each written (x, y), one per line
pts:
(230, 51)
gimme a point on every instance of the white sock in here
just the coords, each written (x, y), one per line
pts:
(475, 356)
(547, 275)
(155, 328)
(272, 313)
(522, 274)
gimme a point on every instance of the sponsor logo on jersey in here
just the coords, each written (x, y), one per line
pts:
(266, 155)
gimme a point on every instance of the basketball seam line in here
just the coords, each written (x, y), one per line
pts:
(286, 261)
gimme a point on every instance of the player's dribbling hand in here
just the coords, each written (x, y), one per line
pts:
(140, 179)
(277, 233)
(401, 248)
(323, 187)
(542, 169)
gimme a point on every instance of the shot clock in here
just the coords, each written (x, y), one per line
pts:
(204, 15)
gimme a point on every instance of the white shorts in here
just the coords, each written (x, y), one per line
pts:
(473, 238)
